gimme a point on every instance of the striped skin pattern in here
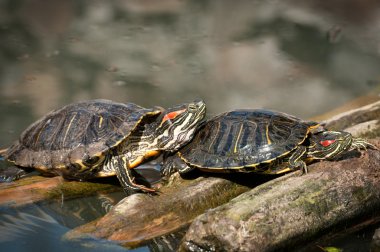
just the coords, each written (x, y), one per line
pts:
(101, 138)
(171, 133)
(260, 141)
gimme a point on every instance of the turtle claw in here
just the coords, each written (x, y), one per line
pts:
(141, 187)
(11, 173)
(359, 144)
(135, 188)
(129, 184)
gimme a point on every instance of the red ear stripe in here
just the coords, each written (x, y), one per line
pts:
(326, 143)
(172, 115)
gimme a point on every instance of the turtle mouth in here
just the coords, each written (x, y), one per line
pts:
(344, 144)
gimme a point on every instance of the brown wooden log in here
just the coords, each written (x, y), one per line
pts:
(35, 189)
(363, 121)
(286, 212)
(141, 217)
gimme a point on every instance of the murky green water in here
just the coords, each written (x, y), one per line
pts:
(300, 58)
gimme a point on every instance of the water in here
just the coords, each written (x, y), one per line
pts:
(300, 58)
(40, 228)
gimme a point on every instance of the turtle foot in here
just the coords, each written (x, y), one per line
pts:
(11, 173)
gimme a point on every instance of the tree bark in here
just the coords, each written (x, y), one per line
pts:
(141, 217)
(284, 213)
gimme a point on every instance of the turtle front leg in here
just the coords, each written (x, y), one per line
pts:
(360, 143)
(11, 173)
(125, 175)
(295, 161)
(172, 164)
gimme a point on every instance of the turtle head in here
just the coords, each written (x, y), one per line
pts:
(329, 144)
(177, 125)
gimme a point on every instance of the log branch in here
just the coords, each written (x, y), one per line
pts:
(285, 213)
(36, 189)
(141, 217)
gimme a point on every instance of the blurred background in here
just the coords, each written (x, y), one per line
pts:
(297, 57)
(305, 58)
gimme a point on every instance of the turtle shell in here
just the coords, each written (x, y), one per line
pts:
(77, 135)
(245, 138)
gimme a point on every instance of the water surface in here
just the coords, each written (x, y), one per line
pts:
(302, 58)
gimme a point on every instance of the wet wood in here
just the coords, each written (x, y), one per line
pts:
(287, 212)
(139, 218)
(34, 189)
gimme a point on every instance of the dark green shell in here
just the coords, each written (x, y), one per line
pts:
(245, 138)
(78, 135)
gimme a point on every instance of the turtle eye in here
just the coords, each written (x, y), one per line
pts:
(172, 115)
(326, 143)
(192, 107)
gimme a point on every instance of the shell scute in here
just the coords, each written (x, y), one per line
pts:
(245, 138)
(76, 135)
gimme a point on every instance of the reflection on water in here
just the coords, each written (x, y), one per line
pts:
(41, 227)
(300, 57)
(35, 229)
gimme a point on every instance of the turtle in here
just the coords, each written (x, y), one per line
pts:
(259, 140)
(100, 138)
